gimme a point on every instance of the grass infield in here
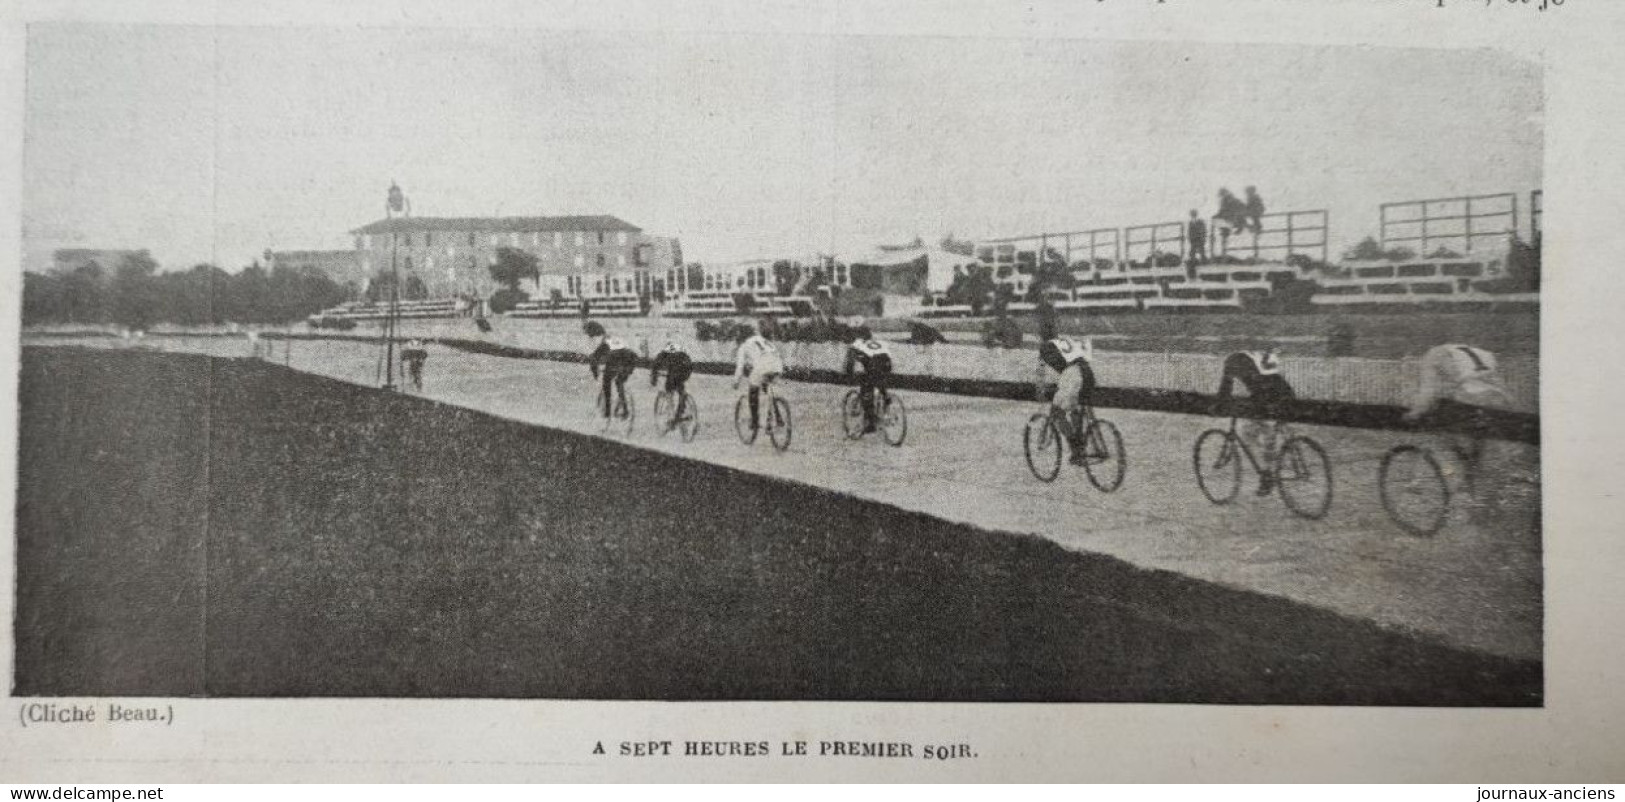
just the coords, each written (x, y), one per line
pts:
(195, 526)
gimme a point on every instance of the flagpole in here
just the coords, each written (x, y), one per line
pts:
(396, 203)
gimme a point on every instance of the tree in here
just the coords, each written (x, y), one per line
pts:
(44, 299)
(415, 289)
(136, 296)
(84, 294)
(514, 266)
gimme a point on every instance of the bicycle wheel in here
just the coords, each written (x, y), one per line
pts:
(742, 427)
(662, 412)
(1103, 456)
(1217, 459)
(1304, 475)
(1041, 441)
(688, 418)
(852, 415)
(893, 420)
(781, 430)
(1414, 490)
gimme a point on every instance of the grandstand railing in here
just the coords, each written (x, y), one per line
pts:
(1465, 221)
(1072, 246)
(1536, 214)
(1141, 243)
(1280, 236)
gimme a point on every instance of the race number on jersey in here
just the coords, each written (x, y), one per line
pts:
(1070, 351)
(1266, 362)
(615, 343)
(870, 347)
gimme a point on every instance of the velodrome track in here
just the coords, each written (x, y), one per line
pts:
(1476, 585)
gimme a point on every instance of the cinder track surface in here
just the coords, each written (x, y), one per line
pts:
(1470, 590)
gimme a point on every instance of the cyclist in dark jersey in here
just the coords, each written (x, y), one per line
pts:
(1074, 383)
(1260, 372)
(875, 359)
(675, 364)
(617, 359)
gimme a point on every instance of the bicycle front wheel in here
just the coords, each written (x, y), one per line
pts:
(1103, 456)
(1217, 459)
(688, 418)
(1041, 441)
(852, 415)
(742, 427)
(781, 430)
(662, 411)
(1304, 475)
(1414, 491)
(893, 420)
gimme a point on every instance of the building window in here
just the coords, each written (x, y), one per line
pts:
(428, 239)
(558, 239)
(581, 261)
(581, 239)
(471, 242)
(598, 287)
(621, 238)
(536, 239)
(600, 260)
(622, 259)
(513, 239)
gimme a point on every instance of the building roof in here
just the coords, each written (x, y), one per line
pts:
(591, 222)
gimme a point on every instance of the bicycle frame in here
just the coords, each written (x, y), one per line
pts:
(1272, 458)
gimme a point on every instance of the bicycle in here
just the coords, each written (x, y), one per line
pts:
(892, 418)
(621, 415)
(1298, 463)
(1414, 486)
(1104, 459)
(677, 410)
(776, 418)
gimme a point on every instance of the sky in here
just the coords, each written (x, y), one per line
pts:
(212, 144)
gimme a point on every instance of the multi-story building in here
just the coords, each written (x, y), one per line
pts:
(579, 256)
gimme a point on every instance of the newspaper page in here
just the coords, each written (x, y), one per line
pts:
(1146, 390)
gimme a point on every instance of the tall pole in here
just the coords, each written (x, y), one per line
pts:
(395, 204)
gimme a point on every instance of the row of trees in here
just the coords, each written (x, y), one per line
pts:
(135, 295)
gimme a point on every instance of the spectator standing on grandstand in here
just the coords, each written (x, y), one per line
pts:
(1074, 382)
(875, 358)
(1260, 372)
(1255, 211)
(1196, 236)
(1232, 216)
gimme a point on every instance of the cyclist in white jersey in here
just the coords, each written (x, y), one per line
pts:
(1455, 376)
(758, 362)
(1460, 384)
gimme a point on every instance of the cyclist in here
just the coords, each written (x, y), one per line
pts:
(1460, 382)
(677, 366)
(1260, 372)
(759, 362)
(412, 358)
(618, 361)
(875, 358)
(1074, 383)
